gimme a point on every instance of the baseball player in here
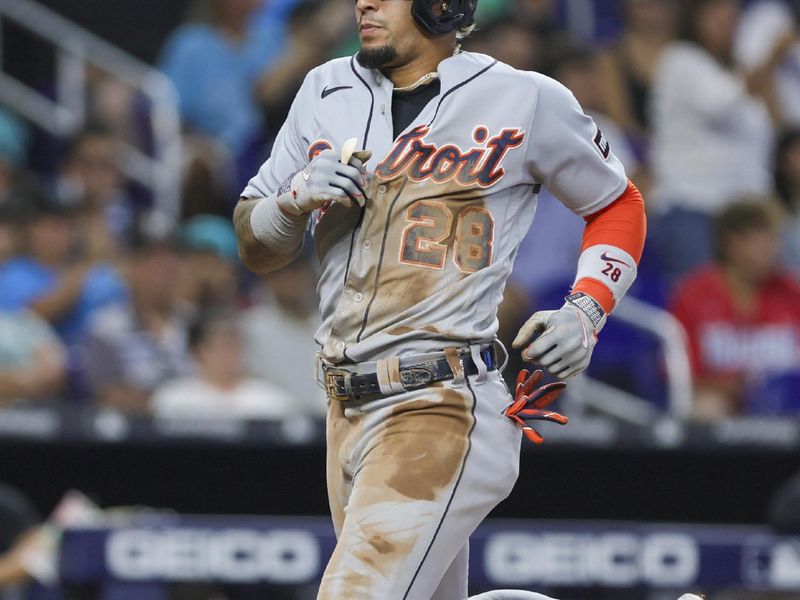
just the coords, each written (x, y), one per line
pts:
(416, 230)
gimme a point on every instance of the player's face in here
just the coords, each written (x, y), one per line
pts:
(388, 33)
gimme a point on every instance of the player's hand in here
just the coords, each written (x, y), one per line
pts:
(531, 402)
(326, 179)
(566, 339)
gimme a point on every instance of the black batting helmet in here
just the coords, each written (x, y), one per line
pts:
(444, 16)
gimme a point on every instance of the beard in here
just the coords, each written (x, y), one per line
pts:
(375, 58)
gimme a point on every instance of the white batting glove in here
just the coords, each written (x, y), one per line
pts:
(325, 179)
(567, 336)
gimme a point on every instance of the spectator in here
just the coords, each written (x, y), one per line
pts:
(713, 136)
(215, 65)
(578, 69)
(135, 346)
(540, 16)
(208, 274)
(275, 11)
(209, 175)
(14, 187)
(115, 106)
(18, 532)
(787, 183)
(32, 359)
(220, 389)
(29, 548)
(280, 332)
(626, 68)
(741, 313)
(767, 25)
(8, 232)
(89, 179)
(784, 507)
(511, 42)
(51, 278)
(524, 36)
(315, 28)
(14, 138)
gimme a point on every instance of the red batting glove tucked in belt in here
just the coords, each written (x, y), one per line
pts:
(530, 403)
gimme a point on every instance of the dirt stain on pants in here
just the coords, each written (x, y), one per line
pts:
(391, 473)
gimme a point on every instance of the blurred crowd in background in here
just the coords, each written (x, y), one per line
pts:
(699, 99)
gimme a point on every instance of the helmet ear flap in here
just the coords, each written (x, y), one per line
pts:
(443, 16)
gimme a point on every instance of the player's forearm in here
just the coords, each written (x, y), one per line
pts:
(612, 247)
(278, 240)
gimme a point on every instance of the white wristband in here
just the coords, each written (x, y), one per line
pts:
(273, 227)
(611, 266)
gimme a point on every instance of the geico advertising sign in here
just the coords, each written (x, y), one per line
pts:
(608, 559)
(233, 555)
(773, 565)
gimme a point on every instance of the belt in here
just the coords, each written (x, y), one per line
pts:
(342, 384)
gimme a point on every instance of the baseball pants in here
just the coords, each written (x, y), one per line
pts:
(410, 477)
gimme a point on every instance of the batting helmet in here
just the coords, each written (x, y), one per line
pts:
(443, 16)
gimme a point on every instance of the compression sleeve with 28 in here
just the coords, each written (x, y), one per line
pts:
(612, 248)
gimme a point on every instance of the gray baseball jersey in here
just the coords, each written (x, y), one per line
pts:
(449, 200)
(422, 268)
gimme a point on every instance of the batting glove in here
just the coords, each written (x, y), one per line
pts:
(325, 179)
(530, 403)
(567, 336)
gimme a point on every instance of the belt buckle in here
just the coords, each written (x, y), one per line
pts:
(330, 383)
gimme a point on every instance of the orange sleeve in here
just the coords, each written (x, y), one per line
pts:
(622, 224)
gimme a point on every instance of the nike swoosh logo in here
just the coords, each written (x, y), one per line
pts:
(328, 91)
(607, 258)
(584, 333)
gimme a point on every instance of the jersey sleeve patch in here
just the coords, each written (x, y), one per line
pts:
(602, 144)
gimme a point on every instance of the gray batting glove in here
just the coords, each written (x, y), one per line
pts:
(567, 336)
(325, 179)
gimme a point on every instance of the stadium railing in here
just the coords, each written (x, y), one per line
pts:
(76, 49)
(666, 331)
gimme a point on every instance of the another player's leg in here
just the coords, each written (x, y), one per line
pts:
(426, 470)
(510, 595)
(522, 595)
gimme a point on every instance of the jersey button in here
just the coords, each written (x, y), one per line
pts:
(340, 345)
(366, 245)
(381, 189)
(358, 296)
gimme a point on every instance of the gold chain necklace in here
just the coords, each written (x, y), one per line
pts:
(427, 78)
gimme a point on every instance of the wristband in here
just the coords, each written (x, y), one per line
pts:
(274, 227)
(611, 266)
(589, 306)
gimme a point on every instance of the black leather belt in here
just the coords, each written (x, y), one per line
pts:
(342, 384)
